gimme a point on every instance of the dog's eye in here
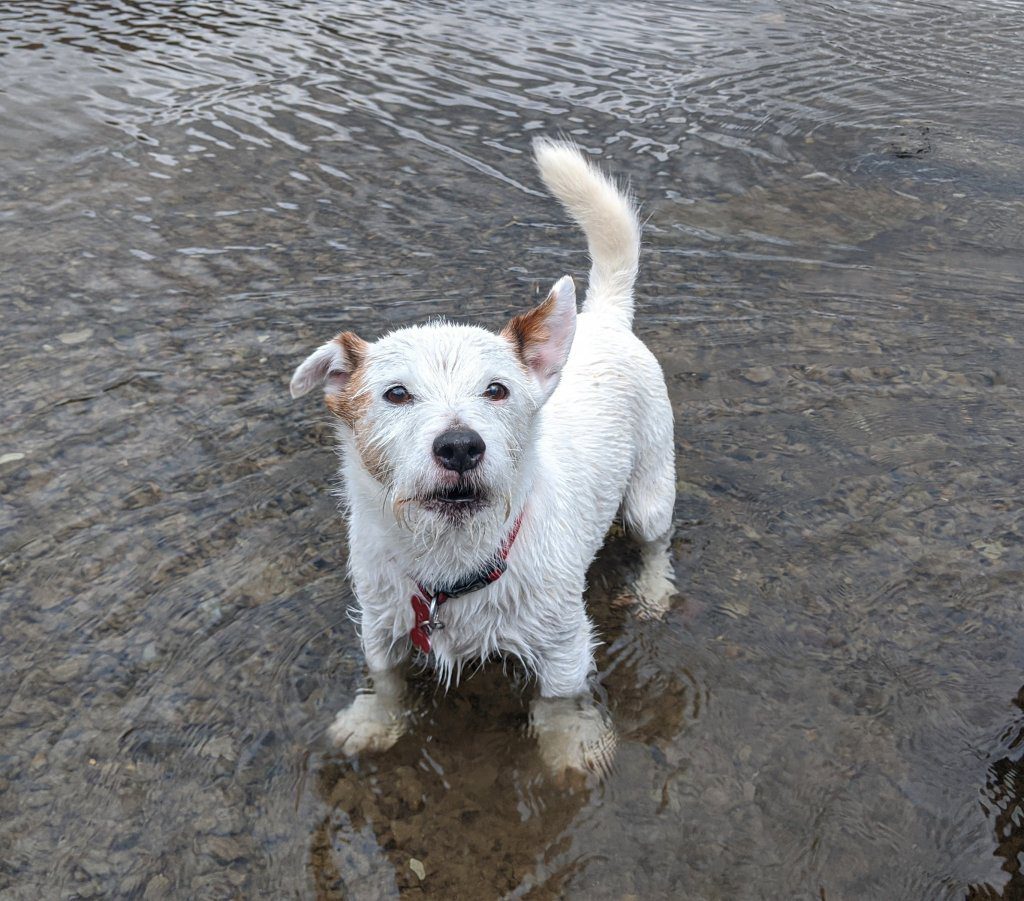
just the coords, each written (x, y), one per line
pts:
(397, 394)
(496, 391)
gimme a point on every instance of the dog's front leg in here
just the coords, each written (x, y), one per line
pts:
(378, 716)
(572, 732)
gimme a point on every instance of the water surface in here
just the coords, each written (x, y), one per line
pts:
(195, 195)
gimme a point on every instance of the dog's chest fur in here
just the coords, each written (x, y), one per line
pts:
(581, 455)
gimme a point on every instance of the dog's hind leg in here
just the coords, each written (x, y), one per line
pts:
(647, 509)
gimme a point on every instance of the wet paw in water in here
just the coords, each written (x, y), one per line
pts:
(641, 607)
(650, 597)
(573, 736)
(371, 723)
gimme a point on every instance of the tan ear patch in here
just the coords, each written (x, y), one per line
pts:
(352, 401)
(530, 330)
(353, 347)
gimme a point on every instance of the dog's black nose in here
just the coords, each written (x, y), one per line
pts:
(459, 449)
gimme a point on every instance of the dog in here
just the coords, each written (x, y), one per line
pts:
(482, 471)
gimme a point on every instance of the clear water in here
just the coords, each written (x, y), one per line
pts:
(196, 194)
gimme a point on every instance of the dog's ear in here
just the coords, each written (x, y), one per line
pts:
(543, 336)
(330, 365)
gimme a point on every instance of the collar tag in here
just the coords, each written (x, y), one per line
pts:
(427, 622)
(427, 603)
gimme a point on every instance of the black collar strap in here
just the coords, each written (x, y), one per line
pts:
(426, 604)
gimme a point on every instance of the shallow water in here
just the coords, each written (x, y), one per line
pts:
(194, 196)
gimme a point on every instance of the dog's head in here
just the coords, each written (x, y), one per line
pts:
(442, 416)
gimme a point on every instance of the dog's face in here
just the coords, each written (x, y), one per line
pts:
(442, 416)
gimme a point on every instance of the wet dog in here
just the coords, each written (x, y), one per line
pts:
(482, 471)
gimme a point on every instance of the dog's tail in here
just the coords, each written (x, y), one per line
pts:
(608, 218)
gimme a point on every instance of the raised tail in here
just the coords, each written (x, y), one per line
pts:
(608, 218)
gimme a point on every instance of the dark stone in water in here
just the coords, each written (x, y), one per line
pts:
(911, 143)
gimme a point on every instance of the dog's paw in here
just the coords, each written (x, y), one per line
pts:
(369, 724)
(653, 591)
(573, 736)
(648, 605)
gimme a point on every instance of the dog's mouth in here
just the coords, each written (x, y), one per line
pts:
(457, 499)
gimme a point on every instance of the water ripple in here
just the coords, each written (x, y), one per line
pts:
(196, 194)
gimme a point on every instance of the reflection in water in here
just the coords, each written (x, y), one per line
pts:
(194, 196)
(464, 793)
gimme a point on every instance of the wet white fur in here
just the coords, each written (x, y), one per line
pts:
(585, 433)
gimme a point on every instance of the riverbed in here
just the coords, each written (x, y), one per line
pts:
(196, 195)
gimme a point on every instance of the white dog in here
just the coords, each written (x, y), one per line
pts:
(482, 472)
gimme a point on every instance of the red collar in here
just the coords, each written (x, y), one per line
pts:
(426, 603)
